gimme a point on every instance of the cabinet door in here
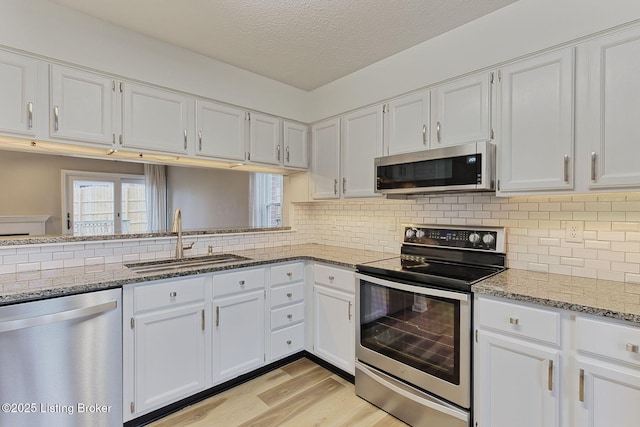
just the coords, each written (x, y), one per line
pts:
(516, 383)
(239, 335)
(264, 139)
(325, 158)
(18, 91)
(462, 111)
(84, 106)
(156, 119)
(535, 150)
(334, 327)
(361, 143)
(295, 145)
(221, 131)
(608, 394)
(614, 108)
(169, 355)
(408, 120)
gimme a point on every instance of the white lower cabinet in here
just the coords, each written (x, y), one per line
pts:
(515, 383)
(609, 394)
(165, 336)
(287, 310)
(334, 322)
(238, 329)
(607, 373)
(530, 370)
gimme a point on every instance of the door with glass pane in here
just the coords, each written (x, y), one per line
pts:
(99, 204)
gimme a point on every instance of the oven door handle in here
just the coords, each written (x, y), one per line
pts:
(423, 290)
(425, 400)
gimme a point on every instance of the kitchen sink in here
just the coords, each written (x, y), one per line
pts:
(174, 264)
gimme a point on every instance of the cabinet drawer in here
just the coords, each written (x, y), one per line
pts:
(239, 281)
(608, 339)
(287, 341)
(337, 278)
(287, 294)
(516, 319)
(287, 273)
(287, 315)
(156, 295)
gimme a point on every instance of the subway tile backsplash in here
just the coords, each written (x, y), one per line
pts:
(536, 228)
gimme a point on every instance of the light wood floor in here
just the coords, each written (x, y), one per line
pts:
(297, 395)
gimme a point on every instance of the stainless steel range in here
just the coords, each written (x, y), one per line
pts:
(413, 350)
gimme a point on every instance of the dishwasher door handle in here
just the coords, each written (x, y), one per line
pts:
(60, 316)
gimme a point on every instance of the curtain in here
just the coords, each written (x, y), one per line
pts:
(258, 199)
(155, 180)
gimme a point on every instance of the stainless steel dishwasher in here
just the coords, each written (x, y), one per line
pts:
(61, 361)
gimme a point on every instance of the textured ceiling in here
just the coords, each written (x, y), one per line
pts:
(303, 43)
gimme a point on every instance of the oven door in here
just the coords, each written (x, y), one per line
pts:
(418, 334)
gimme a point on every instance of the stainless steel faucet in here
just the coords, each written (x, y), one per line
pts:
(177, 228)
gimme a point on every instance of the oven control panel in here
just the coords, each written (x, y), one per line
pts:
(473, 238)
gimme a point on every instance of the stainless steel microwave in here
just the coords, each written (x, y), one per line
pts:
(468, 167)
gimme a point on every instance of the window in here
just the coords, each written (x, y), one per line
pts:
(103, 203)
(266, 200)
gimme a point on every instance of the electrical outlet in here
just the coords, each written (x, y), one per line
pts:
(574, 232)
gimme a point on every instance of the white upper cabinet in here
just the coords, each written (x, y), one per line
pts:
(85, 106)
(614, 109)
(264, 139)
(535, 121)
(408, 123)
(461, 111)
(221, 131)
(157, 120)
(325, 159)
(361, 143)
(18, 94)
(295, 144)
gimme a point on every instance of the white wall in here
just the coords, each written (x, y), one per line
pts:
(31, 183)
(521, 28)
(45, 28)
(208, 198)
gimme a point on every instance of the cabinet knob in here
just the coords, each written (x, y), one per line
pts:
(289, 295)
(241, 282)
(331, 278)
(173, 294)
(290, 274)
(633, 348)
(289, 342)
(289, 316)
(514, 320)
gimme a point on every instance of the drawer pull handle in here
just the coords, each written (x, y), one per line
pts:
(550, 376)
(633, 348)
(173, 294)
(241, 282)
(581, 386)
(514, 321)
(288, 342)
(290, 274)
(289, 316)
(289, 294)
(331, 278)
(349, 310)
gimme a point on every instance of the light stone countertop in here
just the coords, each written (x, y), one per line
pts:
(43, 284)
(606, 298)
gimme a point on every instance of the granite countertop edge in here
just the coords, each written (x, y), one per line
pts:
(494, 286)
(98, 285)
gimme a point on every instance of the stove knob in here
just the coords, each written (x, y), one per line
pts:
(474, 238)
(420, 234)
(409, 233)
(488, 239)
